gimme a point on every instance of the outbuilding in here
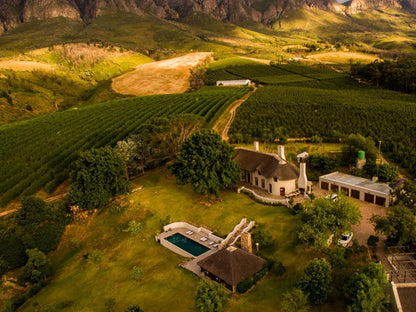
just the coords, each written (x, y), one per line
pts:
(233, 83)
(356, 187)
(231, 266)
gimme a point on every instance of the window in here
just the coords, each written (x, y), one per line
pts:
(256, 181)
(263, 183)
(259, 172)
(275, 179)
(270, 188)
(324, 185)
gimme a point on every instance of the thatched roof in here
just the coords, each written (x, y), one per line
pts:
(232, 265)
(269, 165)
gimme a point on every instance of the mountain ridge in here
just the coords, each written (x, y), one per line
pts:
(268, 12)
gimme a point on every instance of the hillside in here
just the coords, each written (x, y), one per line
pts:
(266, 12)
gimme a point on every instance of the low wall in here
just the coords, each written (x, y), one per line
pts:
(200, 230)
(264, 199)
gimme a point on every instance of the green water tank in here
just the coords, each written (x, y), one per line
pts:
(361, 155)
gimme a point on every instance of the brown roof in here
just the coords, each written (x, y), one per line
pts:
(269, 165)
(232, 265)
(407, 297)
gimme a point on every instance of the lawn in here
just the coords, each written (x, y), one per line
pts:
(80, 285)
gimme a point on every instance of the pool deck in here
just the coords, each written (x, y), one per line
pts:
(197, 234)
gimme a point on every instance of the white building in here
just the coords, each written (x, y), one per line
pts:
(268, 171)
(233, 83)
(356, 187)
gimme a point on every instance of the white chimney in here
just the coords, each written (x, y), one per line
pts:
(303, 179)
(281, 151)
(256, 146)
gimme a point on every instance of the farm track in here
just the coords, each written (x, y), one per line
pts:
(218, 125)
(49, 199)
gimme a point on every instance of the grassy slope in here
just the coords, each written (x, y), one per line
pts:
(164, 285)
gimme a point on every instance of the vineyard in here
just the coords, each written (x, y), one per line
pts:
(237, 68)
(37, 153)
(331, 109)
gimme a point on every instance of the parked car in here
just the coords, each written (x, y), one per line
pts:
(345, 239)
(333, 197)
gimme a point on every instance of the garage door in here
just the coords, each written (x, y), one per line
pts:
(380, 201)
(369, 198)
(334, 188)
(355, 194)
(345, 190)
(324, 185)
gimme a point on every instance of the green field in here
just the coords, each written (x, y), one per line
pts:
(238, 68)
(165, 286)
(331, 108)
(38, 152)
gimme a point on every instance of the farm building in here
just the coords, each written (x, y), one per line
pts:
(356, 187)
(233, 83)
(272, 172)
(231, 266)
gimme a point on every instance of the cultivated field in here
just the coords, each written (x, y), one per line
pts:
(164, 77)
(38, 152)
(24, 65)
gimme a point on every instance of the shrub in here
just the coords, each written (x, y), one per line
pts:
(372, 241)
(295, 301)
(262, 236)
(133, 308)
(110, 304)
(136, 274)
(245, 285)
(210, 297)
(135, 227)
(279, 269)
(316, 281)
(96, 256)
(12, 249)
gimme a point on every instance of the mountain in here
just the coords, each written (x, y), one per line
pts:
(15, 12)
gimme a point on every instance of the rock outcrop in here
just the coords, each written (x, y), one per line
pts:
(14, 12)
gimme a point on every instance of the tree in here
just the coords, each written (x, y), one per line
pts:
(133, 308)
(262, 236)
(98, 175)
(316, 281)
(323, 217)
(12, 249)
(41, 225)
(399, 226)
(388, 173)
(206, 162)
(3, 267)
(366, 289)
(210, 297)
(406, 195)
(38, 267)
(295, 301)
(135, 153)
(354, 143)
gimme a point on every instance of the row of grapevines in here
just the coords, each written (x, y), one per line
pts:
(328, 107)
(38, 152)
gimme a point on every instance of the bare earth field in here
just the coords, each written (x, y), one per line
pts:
(24, 65)
(164, 77)
(341, 57)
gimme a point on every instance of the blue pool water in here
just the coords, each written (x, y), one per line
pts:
(187, 244)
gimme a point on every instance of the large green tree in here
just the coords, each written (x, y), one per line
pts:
(323, 217)
(206, 162)
(366, 289)
(399, 225)
(316, 281)
(210, 297)
(97, 176)
(354, 143)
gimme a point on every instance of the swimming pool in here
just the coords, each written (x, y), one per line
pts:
(187, 244)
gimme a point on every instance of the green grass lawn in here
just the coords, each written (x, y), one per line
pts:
(82, 286)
